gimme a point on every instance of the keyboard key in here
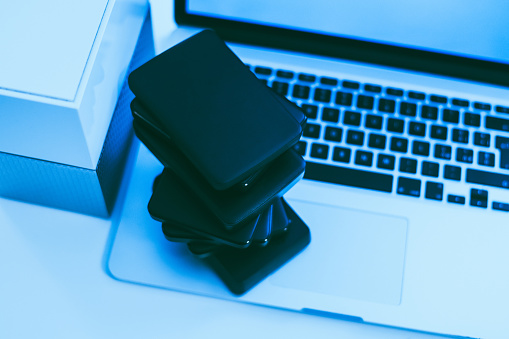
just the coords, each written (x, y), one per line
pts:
(386, 105)
(429, 112)
(385, 161)
(460, 135)
(263, 70)
(328, 81)
(311, 111)
(300, 92)
(460, 102)
(351, 84)
(438, 132)
(349, 177)
(486, 159)
(487, 178)
(333, 133)
(330, 114)
(395, 125)
(377, 141)
(502, 143)
(372, 88)
(452, 172)
(341, 154)
(399, 144)
(451, 115)
(284, 74)
(408, 109)
(502, 109)
(416, 95)
(410, 187)
(482, 139)
(373, 121)
(434, 190)
(320, 151)
(307, 77)
(322, 95)
(478, 198)
(500, 206)
(417, 128)
(456, 199)
(280, 88)
(482, 106)
(344, 98)
(420, 148)
(471, 119)
(394, 91)
(464, 155)
(430, 169)
(408, 165)
(365, 101)
(443, 152)
(439, 99)
(355, 137)
(498, 124)
(300, 147)
(364, 158)
(352, 118)
(311, 130)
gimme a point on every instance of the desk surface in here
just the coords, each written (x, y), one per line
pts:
(54, 283)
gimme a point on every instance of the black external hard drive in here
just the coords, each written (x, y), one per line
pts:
(240, 270)
(174, 204)
(219, 133)
(231, 207)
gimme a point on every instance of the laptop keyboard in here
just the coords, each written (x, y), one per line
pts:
(399, 141)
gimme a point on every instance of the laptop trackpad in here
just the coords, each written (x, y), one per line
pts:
(353, 254)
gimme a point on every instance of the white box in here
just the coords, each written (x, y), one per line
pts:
(63, 65)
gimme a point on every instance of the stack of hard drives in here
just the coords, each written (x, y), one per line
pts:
(226, 142)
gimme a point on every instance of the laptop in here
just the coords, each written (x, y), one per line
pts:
(407, 164)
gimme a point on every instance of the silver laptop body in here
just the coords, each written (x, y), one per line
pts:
(413, 236)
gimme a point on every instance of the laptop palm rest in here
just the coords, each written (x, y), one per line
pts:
(353, 254)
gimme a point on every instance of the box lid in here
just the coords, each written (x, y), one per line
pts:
(60, 76)
(49, 43)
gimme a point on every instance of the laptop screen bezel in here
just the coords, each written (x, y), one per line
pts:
(460, 67)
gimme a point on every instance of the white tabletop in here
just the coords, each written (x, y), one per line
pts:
(54, 283)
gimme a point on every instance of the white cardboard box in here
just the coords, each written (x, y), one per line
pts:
(65, 123)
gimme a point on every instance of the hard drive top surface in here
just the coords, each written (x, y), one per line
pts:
(215, 110)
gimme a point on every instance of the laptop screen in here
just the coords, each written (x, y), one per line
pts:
(460, 38)
(460, 27)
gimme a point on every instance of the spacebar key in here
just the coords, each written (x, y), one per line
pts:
(348, 176)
